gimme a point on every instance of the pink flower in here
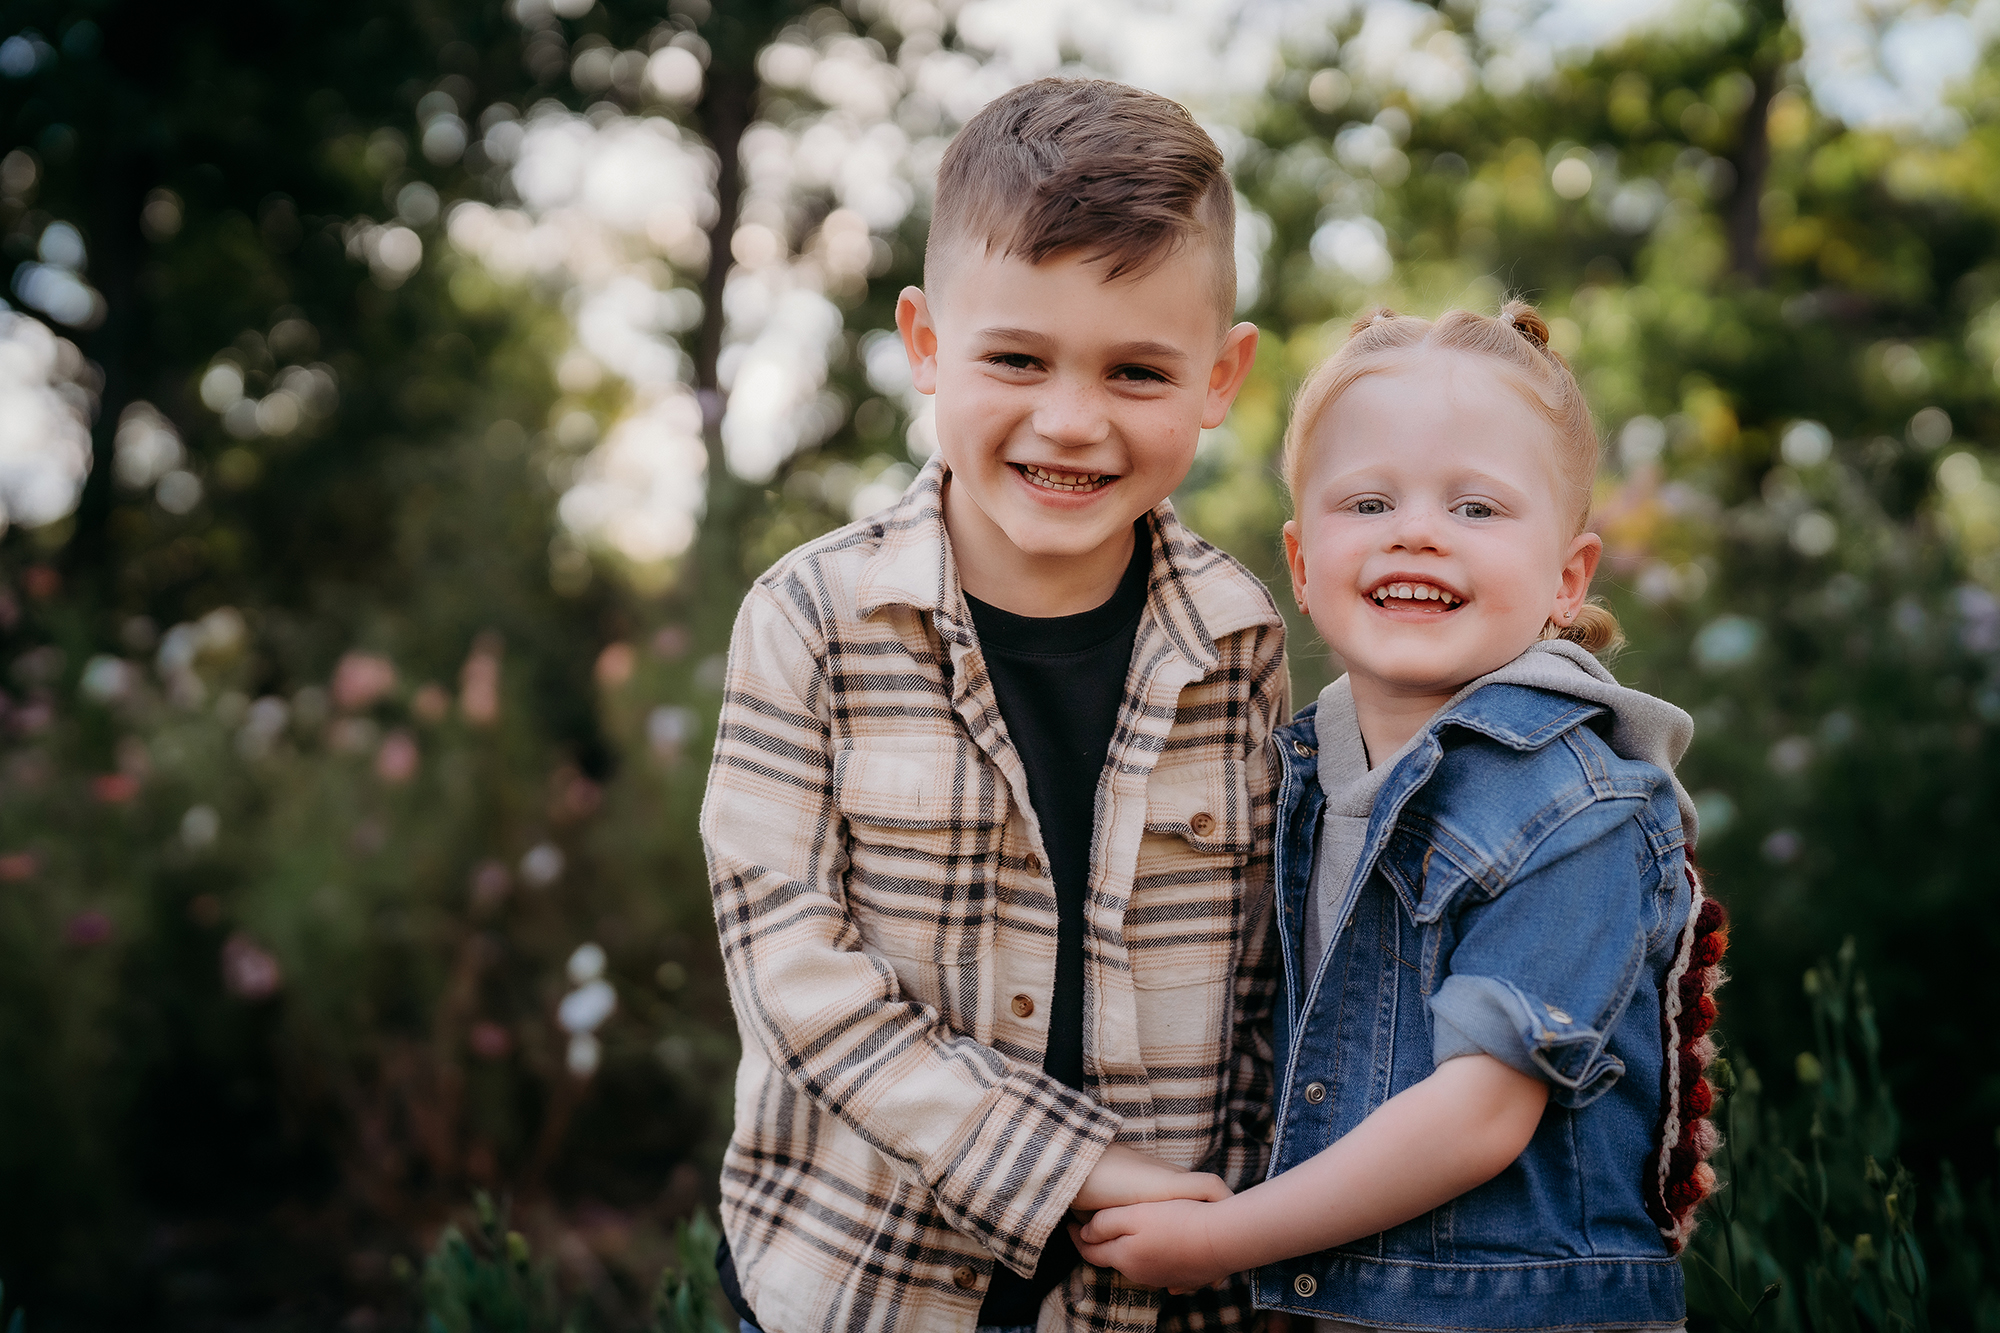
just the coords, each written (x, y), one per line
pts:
(248, 971)
(490, 1041)
(114, 788)
(362, 678)
(87, 930)
(479, 682)
(396, 761)
(17, 866)
(614, 665)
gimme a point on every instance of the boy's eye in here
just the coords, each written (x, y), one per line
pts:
(1475, 509)
(1141, 374)
(1013, 360)
(1371, 506)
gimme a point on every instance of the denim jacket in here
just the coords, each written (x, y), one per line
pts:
(1521, 891)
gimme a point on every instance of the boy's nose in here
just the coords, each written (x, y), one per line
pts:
(1072, 415)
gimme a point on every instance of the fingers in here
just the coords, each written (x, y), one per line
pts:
(1107, 1224)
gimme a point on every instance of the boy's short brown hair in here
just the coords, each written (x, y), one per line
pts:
(1091, 167)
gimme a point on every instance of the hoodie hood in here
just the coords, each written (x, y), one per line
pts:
(1643, 728)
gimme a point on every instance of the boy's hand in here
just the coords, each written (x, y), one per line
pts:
(1126, 1175)
(1164, 1244)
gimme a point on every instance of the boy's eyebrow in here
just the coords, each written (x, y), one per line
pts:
(1143, 349)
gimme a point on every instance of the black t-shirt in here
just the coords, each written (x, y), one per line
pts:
(1060, 681)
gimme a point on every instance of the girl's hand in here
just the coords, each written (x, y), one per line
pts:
(1126, 1175)
(1164, 1244)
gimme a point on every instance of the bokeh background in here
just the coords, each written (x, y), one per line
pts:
(396, 399)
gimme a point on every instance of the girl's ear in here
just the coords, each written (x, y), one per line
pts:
(920, 340)
(1295, 560)
(1574, 590)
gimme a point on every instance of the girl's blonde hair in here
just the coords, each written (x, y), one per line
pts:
(1382, 340)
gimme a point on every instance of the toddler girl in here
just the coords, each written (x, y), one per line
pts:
(1497, 962)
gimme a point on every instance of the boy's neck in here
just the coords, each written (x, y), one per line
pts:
(999, 573)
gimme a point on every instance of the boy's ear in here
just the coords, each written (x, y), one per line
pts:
(1295, 560)
(1232, 367)
(920, 342)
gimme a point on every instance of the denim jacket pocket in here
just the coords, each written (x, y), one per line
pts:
(1426, 874)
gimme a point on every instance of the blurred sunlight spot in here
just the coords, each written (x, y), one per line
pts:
(200, 826)
(1727, 641)
(542, 866)
(586, 964)
(1881, 66)
(1714, 812)
(885, 490)
(1806, 444)
(1357, 246)
(146, 447)
(46, 405)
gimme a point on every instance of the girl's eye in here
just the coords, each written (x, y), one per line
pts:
(1476, 509)
(1371, 506)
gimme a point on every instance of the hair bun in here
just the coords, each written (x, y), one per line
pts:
(1371, 318)
(1527, 322)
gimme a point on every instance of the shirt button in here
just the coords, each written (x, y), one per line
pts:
(1203, 824)
(1304, 1285)
(965, 1278)
(1315, 1093)
(1034, 864)
(1024, 1007)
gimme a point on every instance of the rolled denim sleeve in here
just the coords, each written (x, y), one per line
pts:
(1540, 973)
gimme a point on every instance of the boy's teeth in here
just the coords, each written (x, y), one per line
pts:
(1064, 481)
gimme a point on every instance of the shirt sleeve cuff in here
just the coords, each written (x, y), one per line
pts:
(1487, 1016)
(1009, 1183)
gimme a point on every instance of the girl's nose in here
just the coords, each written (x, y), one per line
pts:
(1072, 415)
(1418, 528)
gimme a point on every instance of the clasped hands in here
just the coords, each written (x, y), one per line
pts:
(1150, 1220)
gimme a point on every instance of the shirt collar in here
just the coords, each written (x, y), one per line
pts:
(1196, 592)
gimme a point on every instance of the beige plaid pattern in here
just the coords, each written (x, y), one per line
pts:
(888, 930)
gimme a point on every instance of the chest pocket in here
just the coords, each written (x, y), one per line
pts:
(1183, 923)
(925, 818)
(1424, 875)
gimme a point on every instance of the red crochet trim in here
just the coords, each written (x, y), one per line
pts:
(1679, 1176)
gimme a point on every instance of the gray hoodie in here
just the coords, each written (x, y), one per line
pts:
(1642, 728)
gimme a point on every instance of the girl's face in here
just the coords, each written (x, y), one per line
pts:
(1433, 538)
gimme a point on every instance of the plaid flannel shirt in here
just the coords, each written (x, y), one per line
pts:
(888, 929)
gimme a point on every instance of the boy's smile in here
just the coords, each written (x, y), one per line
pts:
(1067, 406)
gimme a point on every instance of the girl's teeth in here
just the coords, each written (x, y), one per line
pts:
(1415, 592)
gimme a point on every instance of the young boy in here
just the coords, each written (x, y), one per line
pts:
(985, 825)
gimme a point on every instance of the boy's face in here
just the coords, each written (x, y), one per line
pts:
(1433, 540)
(1066, 407)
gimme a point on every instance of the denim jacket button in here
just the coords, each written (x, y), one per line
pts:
(1315, 1093)
(1303, 750)
(1304, 1285)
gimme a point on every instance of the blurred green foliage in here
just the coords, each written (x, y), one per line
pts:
(313, 794)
